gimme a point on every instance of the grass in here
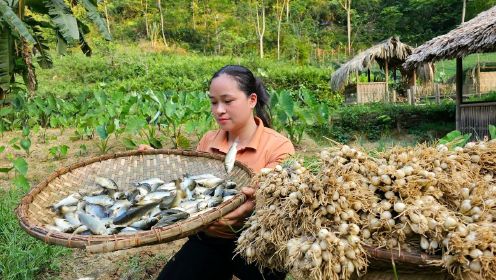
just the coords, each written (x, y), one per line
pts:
(22, 256)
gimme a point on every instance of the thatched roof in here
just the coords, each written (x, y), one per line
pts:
(391, 50)
(475, 36)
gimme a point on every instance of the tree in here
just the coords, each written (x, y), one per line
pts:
(159, 5)
(20, 30)
(260, 29)
(346, 4)
(280, 4)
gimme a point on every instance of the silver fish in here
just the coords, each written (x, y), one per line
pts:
(103, 200)
(106, 183)
(92, 190)
(168, 201)
(95, 225)
(118, 195)
(167, 187)
(230, 192)
(68, 201)
(128, 230)
(53, 228)
(171, 219)
(210, 182)
(80, 229)
(72, 218)
(231, 157)
(214, 201)
(96, 210)
(202, 176)
(118, 206)
(154, 183)
(153, 198)
(219, 191)
(64, 225)
(202, 205)
(187, 184)
(155, 211)
(145, 223)
(67, 209)
(133, 214)
(230, 185)
(189, 206)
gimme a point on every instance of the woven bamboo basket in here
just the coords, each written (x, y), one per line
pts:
(34, 213)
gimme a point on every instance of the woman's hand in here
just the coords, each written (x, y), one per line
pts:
(144, 147)
(235, 219)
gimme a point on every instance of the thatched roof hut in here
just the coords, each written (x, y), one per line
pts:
(390, 53)
(475, 36)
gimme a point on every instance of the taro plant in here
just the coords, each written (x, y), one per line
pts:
(58, 152)
(20, 168)
(104, 131)
(455, 139)
(492, 131)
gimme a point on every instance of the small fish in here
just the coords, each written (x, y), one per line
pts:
(118, 195)
(154, 183)
(169, 212)
(133, 214)
(103, 200)
(72, 218)
(187, 184)
(153, 198)
(68, 201)
(230, 185)
(128, 230)
(155, 211)
(144, 189)
(64, 225)
(230, 192)
(202, 205)
(131, 195)
(167, 187)
(95, 225)
(67, 209)
(118, 207)
(80, 229)
(209, 192)
(53, 228)
(96, 210)
(202, 176)
(214, 201)
(219, 191)
(92, 190)
(210, 183)
(144, 224)
(230, 158)
(167, 202)
(189, 206)
(106, 183)
(171, 219)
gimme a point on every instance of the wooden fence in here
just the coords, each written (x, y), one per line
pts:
(365, 93)
(475, 118)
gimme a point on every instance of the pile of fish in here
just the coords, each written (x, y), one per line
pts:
(105, 208)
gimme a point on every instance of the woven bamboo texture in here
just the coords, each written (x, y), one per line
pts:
(34, 210)
(405, 262)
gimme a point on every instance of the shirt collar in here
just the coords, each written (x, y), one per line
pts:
(220, 140)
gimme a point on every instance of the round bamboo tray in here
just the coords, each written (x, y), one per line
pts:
(34, 210)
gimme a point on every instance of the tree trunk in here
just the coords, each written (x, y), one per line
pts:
(106, 16)
(287, 11)
(348, 22)
(145, 15)
(463, 10)
(159, 4)
(193, 8)
(279, 20)
(261, 29)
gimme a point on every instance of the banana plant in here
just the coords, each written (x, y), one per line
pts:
(20, 30)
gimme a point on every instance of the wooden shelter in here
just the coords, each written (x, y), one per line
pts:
(475, 36)
(389, 55)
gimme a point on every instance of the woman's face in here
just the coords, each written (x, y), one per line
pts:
(230, 106)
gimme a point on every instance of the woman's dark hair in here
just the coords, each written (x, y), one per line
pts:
(249, 84)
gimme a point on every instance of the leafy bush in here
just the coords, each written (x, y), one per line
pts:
(373, 119)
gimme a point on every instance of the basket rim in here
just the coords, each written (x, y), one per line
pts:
(80, 241)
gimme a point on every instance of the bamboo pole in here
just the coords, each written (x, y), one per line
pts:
(459, 89)
(387, 79)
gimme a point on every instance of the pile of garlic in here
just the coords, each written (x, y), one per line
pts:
(420, 198)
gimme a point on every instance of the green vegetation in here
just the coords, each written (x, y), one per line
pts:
(22, 256)
(446, 69)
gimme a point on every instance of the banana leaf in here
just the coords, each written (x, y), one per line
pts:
(97, 19)
(6, 58)
(41, 49)
(64, 20)
(9, 16)
(85, 48)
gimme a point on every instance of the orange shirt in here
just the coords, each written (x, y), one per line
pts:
(267, 148)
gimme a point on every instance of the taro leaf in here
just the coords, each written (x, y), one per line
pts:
(13, 140)
(2, 148)
(63, 150)
(450, 137)
(102, 131)
(25, 144)
(20, 165)
(97, 19)
(135, 124)
(492, 131)
(287, 104)
(20, 181)
(129, 144)
(83, 150)
(53, 151)
(183, 142)
(25, 131)
(155, 118)
(455, 139)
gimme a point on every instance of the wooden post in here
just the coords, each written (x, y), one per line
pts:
(409, 94)
(459, 89)
(477, 78)
(414, 93)
(368, 74)
(438, 94)
(387, 77)
(394, 96)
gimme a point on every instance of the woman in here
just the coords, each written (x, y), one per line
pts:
(234, 95)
